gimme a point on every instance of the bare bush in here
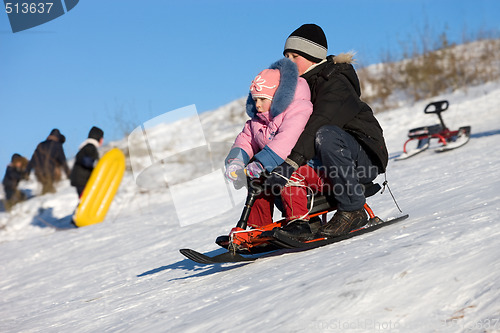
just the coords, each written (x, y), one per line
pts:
(426, 72)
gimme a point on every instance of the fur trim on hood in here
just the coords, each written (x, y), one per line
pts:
(345, 58)
(91, 141)
(285, 93)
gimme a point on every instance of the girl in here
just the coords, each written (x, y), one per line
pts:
(279, 106)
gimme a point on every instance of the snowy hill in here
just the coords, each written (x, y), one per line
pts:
(438, 271)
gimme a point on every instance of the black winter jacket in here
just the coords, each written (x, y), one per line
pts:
(48, 156)
(12, 177)
(335, 94)
(84, 164)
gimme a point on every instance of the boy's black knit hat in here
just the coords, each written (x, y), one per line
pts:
(96, 133)
(309, 41)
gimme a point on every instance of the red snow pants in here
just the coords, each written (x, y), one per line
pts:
(293, 196)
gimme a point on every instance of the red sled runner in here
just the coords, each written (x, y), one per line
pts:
(423, 135)
(242, 241)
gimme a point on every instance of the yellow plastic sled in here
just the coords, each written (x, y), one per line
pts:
(100, 189)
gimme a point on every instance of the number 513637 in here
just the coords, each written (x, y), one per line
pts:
(28, 8)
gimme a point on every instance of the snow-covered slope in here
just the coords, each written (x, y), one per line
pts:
(438, 271)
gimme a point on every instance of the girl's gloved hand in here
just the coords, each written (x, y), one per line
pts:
(232, 168)
(254, 169)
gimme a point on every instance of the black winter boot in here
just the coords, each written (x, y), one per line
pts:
(343, 222)
(298, 229)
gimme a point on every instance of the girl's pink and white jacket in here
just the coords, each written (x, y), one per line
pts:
(270, 136)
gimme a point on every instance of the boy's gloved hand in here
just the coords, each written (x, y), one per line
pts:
(279, 176)
(254, 169)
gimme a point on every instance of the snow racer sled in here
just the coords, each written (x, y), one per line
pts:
(449, 139)
(268, 238)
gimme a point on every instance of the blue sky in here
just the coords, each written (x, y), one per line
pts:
(118, 63)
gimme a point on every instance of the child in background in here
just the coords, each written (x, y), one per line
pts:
(15, 172)
(85, 159)
(279, 106)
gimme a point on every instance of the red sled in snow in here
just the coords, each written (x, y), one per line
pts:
(256, 241)
(263, 239)
(423, 135)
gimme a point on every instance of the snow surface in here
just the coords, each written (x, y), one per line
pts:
(438, 271)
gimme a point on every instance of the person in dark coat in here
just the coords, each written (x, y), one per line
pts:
(15, 172)
(86, 159)
(49, 161)
(342, 133)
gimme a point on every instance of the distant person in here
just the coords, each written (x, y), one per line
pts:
(86, 159)
(49, 161)
(15, 172)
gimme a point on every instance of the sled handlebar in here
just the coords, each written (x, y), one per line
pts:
(254, 190)
(437, 107)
